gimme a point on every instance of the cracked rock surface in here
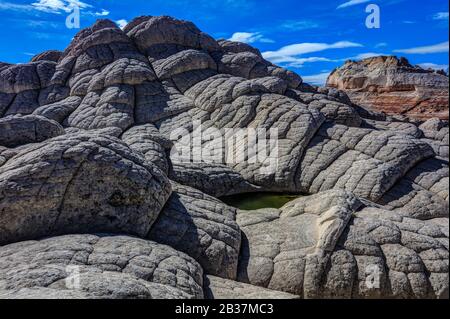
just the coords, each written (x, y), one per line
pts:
(102, 138)
(79, 183)
(107, 267)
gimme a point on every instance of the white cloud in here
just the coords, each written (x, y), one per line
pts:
(441, 16)
(367, 55)
(54, 7)
(249, 37)
(295, 50)
(297, 25)
(58, 6)
(381, 45)
(436, 48)
(14, 6)
(351, 3)
(317, 79)
(122, 23)
(434, 66)
(102, 13)
(295, 62)
(291, 55)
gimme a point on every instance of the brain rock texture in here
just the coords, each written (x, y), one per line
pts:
(91, 179)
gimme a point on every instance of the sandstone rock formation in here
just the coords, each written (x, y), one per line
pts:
(323, 245)
(392, 85)
(108, 267)
(99, 143)
(219, 288)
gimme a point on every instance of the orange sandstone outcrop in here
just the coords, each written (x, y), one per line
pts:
(394, 86)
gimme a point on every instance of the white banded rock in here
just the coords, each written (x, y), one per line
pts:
(79, 183)
(288, 249)
(436, 133)
(364, 161)
(219, 288)
(202, 227)
(409, 257)
(129, 99)
(147, 140)
(112, 267)
(17, 130)
(329, 245)
(423, 192)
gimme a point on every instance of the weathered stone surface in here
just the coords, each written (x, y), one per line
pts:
(147, 140)
(436, 133)
(412, 255)
(50, 55)
(219, 288)
(394, 86)
(422, 193)
(108, 267)
(79, 183)
(17, 130)
(59, 111)
(288, 249)
(213, 179)
(333, 108)
(330, 245)
(161, 99)
(202, 227)
(364, 161)
(398, 127)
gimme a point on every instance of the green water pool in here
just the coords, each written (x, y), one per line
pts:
(252, 201)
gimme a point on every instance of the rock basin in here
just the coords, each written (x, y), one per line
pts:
(254, 201)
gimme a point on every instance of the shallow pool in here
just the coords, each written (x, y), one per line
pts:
(252, 201)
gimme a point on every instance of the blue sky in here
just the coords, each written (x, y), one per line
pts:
(309, 37)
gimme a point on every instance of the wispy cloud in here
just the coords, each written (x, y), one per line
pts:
(435, 48)
(54, 7)
(381, 45)
(295, 62)
(41, 24)
(298, 25)
(250, 37)
(59, 6)
(317, 79)
(295, 50)
(122, 23)
(351, 3)
(14, 6)
(102, 13)
(441, 16)
(366, 55)
(292, 55)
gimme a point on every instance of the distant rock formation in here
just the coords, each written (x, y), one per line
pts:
(88, 179)
(392, 85)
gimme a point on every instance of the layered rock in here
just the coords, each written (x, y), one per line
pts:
(202, 227)
(392, 85)
(79, 183)
(219, 288)
(331, 245)
(128, 132)
(18, 130)
(93, 266)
